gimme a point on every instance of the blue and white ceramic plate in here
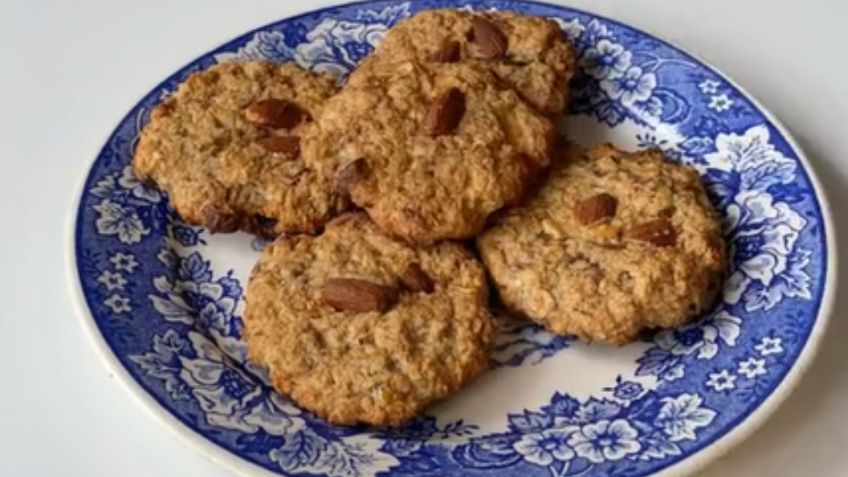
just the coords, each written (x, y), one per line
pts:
(164, 299)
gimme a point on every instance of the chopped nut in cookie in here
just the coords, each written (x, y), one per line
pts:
(274, 113)
(596, 209)
(659, 232)
(445, 113)
(490, 41)
(414, 278)
(287, 146)
(350, 294)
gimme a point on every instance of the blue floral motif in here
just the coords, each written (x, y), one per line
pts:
(699, 341)
(721, 381)
(630, 88)
(597, 433)
(627, 390)
(124, 262)
(681, 416)
(196, 369)
(187, 236)
(128, 209)
(606, 60)
(332, 46)
(763, 237)
(118, 304)
(523, 343)
(192, 297)
(619, 85)
(545, 447)
(160, 303)
(116, 219)
(605, 441)
(112, 281)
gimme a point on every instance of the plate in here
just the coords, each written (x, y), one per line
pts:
(163, 300)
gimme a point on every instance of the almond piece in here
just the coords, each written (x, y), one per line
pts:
(415, 279)
(351, 294)
(596, 209)
(274, 113)
(659, 232)
(288, 146)
(445, 113)
(448, 53)
(351, 173)
(490, 40)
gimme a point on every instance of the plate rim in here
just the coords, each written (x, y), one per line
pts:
(688, 465)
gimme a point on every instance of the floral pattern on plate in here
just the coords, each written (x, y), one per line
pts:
(171, 313)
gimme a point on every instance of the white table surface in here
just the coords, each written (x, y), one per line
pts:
(70, 70)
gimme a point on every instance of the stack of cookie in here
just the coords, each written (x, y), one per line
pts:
(443, 134)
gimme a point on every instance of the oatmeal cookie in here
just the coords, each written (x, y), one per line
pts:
(226, 149)
(530, 53)
(360, 328)
(611, 243)
(429, 150)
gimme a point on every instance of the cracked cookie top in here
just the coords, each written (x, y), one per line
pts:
(610, 244)
(226, 149)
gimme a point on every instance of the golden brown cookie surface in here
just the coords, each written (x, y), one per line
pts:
(429, 150)
(610, 244)
(226, 149)
(358, 327)
(529, 53)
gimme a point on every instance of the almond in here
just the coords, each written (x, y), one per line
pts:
(490, 40)
(659, 232)
(351, 173)
(414, 278)
(288, 146)
(350, 294)
(448, 53)
(274, 113)
(596, 209)
(445, 113)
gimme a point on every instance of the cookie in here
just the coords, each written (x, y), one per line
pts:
(611, 243)
(226, 149)
(529, 53)
(360, 328)
(429, 150)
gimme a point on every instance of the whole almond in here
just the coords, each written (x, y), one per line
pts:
(351, 173)
(490, 40)
(448, 53)
(351, 294)
(274, 113)
(659, 232)
(288, 146)
(596, 209)
(445, 113)
(414, 278)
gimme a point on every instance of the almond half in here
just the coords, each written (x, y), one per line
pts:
(414, 278)
(274, 113)
(287, 146)
(445, 113)
(490, 40)
(449, 53)
(596, 209)
(351, 294)
(659, 232)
